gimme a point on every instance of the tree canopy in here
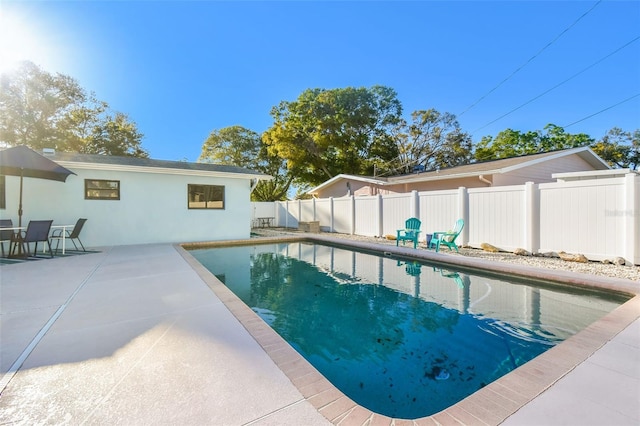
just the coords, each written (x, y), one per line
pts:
(512, 143)
(238, 146)
(43, 110)
(360, 131)
(432, 140)
(620, 148)
(327, 132)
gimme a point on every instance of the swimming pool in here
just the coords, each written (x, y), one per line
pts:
(399, 344)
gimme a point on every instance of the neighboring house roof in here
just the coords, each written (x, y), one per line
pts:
(505, 165)
(148, 165)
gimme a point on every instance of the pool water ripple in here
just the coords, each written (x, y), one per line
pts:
(400, 338)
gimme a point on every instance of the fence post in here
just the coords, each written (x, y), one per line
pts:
(276, 213)
(631, 214)
(379, 215)
(314, 209)
(531, 217)
(299, 213)
(286, 215)
(331, 216)
(353, 215)
(415, 204)
(253, 214)
(463, 213)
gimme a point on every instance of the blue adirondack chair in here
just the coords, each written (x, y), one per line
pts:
(411, 268)
(453, 275)
(447, 238)
(411, 232)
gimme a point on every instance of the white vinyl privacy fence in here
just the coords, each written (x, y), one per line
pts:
(599, 218)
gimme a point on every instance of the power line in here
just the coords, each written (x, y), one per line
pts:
(601, 111)
(559, 84)
(530, 59)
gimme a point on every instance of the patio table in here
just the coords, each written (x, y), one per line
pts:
(16, 237)
(13, 228)
(265, 221)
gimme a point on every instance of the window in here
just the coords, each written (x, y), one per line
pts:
(206, 197)
(98, 189)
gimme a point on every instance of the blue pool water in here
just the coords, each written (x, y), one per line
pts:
(400, 338)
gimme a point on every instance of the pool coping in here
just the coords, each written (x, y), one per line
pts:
(490, 405)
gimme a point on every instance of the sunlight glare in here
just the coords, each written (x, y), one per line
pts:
(19, 42)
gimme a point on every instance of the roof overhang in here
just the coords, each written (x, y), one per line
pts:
(434, 176)
(342, 176)
(160, 170)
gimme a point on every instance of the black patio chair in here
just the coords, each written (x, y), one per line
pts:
(6, 236)
(72, 235)
(37, 232)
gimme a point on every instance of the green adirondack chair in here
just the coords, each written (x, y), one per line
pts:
(411, 232)
(411, 268)
(447, 238)
(455, 276)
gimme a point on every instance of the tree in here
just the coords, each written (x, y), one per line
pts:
(457, 150)
(81, 124)
(431, 141)
(556, 138)
(512, 143)
(508, 143)
(237, 146)
(233, 146)
(327, 132)
(116, 135)
(32, 102)
(619, 148)
(43, 110)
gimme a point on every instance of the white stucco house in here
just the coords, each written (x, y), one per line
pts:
(129, 200)
(537, 168)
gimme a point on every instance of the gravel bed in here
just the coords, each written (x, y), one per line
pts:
(592, 268)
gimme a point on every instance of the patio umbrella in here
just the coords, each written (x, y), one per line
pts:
(24, 162)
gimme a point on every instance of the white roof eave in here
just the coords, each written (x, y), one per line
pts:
(447, 176)
(161, 170)
(346, 177)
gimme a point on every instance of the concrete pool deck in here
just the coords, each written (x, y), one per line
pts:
(135, 335)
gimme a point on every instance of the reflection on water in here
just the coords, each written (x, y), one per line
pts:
(401, 338)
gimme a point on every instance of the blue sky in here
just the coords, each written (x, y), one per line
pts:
(184, 68)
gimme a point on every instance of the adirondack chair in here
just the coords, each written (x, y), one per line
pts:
(411, 268)
(455, 276)
(410, 232)
(447, 238)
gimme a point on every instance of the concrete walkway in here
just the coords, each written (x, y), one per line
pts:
(133, 335)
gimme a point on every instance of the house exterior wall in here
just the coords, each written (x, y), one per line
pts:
(152, 208)
(440, 185)
(340, 189)
(541, 172)
(361, 189)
